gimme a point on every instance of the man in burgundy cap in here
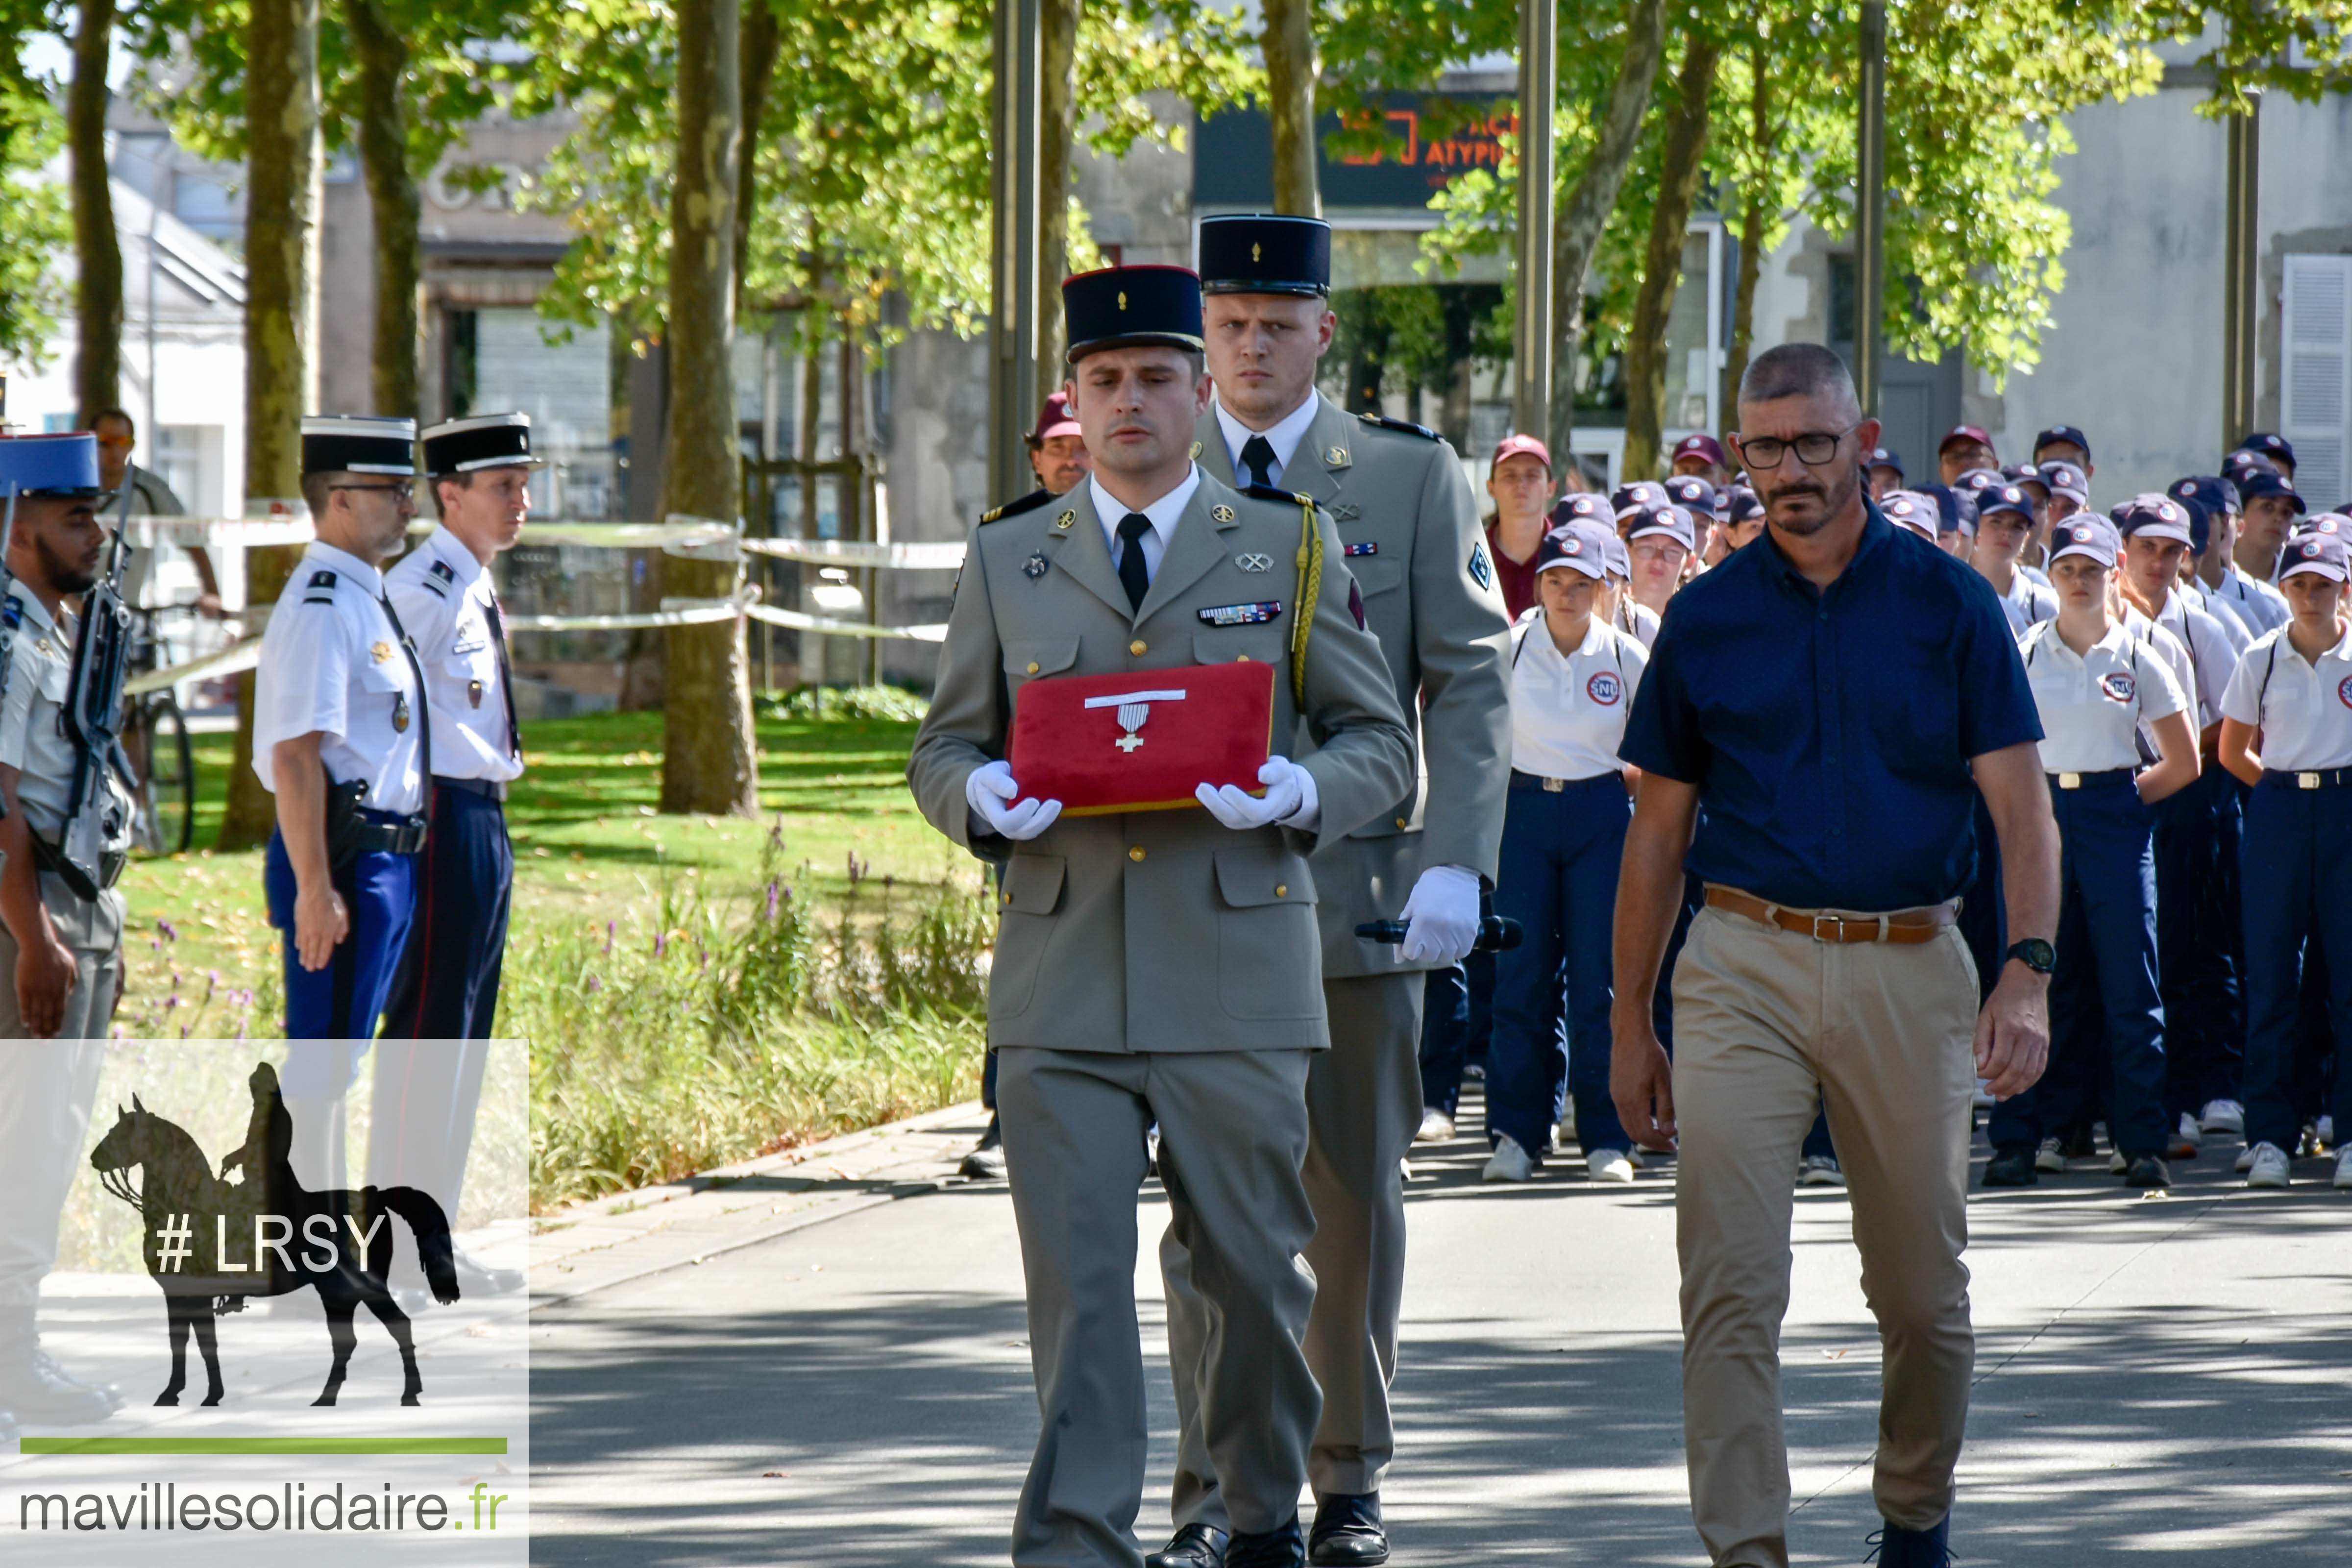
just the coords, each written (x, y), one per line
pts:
(1964, 448)
(1056, 450)
(1701, 455)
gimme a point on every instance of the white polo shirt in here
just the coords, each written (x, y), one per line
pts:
(2303, 709)
(2028, 604)
(2259, 606)
(2212, 659)
(443, 595)
(1639, 621)
(2093, 703)
(331, 662)
(1567, 713)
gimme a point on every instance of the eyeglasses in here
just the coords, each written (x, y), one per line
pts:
(1814, 448)
(397, 492)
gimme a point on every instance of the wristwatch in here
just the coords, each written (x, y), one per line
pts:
(2034, 953)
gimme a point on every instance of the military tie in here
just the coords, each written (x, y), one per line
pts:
(1132, 574)
(506, 677)
(1257, 453)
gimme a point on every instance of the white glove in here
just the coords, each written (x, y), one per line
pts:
(1442, 917)
(1289, 800)
(991, 793)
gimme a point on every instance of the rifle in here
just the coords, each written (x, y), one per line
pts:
(97, 818)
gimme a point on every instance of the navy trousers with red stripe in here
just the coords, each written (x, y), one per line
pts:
(428, 1074)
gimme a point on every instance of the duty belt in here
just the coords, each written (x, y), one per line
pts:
(401, 836)
(50, 857)
(494, 789)
(2309, 778)
(1910, 925)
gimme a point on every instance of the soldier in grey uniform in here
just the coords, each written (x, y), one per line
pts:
(1409, 530)
(60, 955)
(1158, 965)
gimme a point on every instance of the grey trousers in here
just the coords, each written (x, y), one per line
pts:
(1363, 1106)
(1232, 1135)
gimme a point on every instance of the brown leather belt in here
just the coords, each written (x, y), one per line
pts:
(1900, 925)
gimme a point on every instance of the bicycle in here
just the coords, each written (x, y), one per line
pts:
(163, 759)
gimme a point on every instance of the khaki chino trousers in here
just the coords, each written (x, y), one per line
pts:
(1764, 1019)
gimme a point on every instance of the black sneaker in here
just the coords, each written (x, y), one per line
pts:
(2147, 1171)
(2012, 1165)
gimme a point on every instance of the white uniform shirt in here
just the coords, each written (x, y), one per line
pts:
(443, 596)
(331, 662)
(2212, 658)
(2028, 604)
(2093, 703)
(2201, 597)
(2303, 709)
(1163, 513)
(1284, 437)
(1568, 714)
(2259, 606)
(33, 737)
(1644, 627)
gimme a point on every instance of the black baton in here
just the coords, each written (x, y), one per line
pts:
(1496, 934)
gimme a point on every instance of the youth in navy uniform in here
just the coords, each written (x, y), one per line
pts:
(1573, 677)
(2286, 729)
(2097, 685)
(339, 708)
(444, 1003)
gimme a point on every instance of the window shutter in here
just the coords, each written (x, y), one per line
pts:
(2316, 374)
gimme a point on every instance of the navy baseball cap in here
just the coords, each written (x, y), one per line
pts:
(2256, 482)
(1580, 545)
(1620, 559)
(1672, 521)
(1977, 480)
(1885, 457)
(1742, 505)
(2321, 555)
(2061, 479)
(2238, 465)
(2065, 434)
(1906, 509)
(2004, 497)
(1691, 493)
(1582, 505)
(2262, 444)
(2333, 523)
(2154, 516)
(1640, 492)
(1955, 508)
(2088, 535)
(2210, 492)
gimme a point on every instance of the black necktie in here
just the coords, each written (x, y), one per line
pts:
(423, 713)
(506, 677)
(1131, 573)
(1257, 452)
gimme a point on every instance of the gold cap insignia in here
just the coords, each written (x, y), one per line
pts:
(1122, 299)
(381, 653)
(1066, 519)
(1253, 253)
(1222, 513)
(1336, 455)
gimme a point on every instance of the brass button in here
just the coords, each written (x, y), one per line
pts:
(1401, 821)
(1007, 898)
(1033, 667)
(1281, 890)
(1136, 647)
(1135, 853)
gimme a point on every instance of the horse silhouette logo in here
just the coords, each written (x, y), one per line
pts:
(210, 1243)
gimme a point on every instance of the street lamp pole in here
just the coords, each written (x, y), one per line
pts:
(1013, 316)
(1869, 210)
(1532, 344)
(2240, 267)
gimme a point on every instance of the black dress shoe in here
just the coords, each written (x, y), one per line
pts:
(2147, 1171)
(1282, 1548)
(2012, 1165)
(1900, 1548)
(1348, 1531)
(1193, 1546)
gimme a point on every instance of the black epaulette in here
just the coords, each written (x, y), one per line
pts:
(321, 578)
(319, 589)
(1029, 503)
(439, 576)
(1407, 426)
(1275, 492)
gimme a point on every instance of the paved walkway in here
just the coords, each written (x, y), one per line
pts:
(843, 1379)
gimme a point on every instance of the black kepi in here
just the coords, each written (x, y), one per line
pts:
(1129, 307)
(479, 441)
(358, 444)
(1265, 253)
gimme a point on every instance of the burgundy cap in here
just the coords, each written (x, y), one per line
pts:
(1053, 418)
(1513, 445)
(1964, 432)
(1701, 446)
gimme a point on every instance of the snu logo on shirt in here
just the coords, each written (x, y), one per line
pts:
(1606, 689)
(2119, 686)
(2343, 691)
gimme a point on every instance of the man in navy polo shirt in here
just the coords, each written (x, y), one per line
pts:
(1815, 713)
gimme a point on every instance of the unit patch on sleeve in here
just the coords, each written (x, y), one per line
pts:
(1481, 571)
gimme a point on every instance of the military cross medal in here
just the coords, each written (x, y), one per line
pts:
(1133, 708)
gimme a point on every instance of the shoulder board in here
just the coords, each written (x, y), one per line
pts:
(436, 589)
(1029, 503)
(1271, 493)
(444, 571)
(321, 578)
(1407, 426)
(12, 612)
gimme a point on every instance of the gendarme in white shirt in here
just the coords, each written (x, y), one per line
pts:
(442, 594)
(331, 662)
(1163, 514)
(2303, 709)
(2093, 703)
(1284, 437)
(1567, 713)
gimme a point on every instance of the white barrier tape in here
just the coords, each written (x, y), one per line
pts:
(798, 622)
(197, 532)
(940, 557)
(233, 659)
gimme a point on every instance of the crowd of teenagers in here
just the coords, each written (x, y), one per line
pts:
(2188, 652)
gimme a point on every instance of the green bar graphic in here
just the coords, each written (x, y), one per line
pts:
(314, 1446)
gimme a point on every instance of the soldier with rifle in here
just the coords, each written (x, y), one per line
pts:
(60, 918)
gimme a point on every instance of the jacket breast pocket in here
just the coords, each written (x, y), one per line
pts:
(1269, 953)
(1376, 576)
(1035, 659)
(1266, 644)
(1026, 904)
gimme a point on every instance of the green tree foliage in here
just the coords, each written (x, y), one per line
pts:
(32, 212)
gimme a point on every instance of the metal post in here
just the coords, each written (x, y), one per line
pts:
(1013, 321)
(2241, 267)
(1870, 211)
(1532, 342)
